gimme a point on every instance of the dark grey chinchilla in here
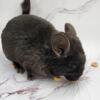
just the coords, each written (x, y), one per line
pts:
(35, 46)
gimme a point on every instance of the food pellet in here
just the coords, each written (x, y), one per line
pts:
(94, 64)
(56, 78)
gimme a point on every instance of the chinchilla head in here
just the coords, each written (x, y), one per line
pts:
(65, 57)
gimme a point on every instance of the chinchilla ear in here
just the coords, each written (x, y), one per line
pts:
(70, 29)
(60, 44)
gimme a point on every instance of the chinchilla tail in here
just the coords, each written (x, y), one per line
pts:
(25, 7)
